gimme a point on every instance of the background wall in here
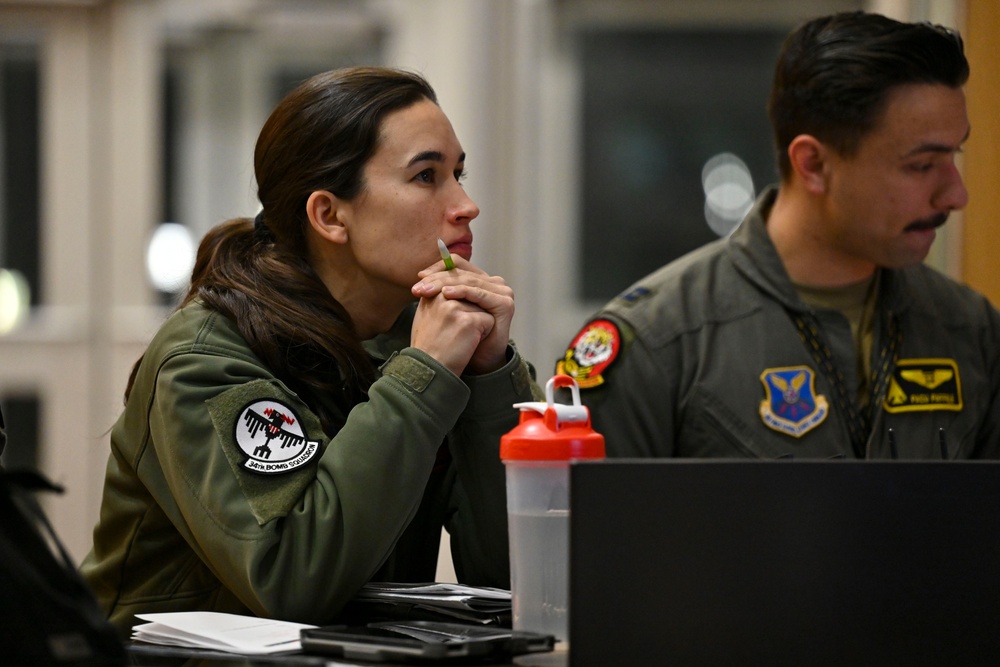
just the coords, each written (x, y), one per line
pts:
(981, 235)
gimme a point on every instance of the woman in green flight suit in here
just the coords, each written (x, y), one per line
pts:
(329, 394)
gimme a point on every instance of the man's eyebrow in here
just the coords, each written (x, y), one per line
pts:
(431, 156)
(938, 148)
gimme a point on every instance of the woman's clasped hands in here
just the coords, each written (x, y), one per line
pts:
(463, 317)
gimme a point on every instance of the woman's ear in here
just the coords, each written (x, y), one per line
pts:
(809, 160)
(326, 212)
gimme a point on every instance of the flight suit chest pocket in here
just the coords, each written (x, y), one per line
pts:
(713, 429)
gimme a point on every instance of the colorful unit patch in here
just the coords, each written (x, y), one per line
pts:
(791, 405)
(270, 435)
(590, 353)
(922, 385)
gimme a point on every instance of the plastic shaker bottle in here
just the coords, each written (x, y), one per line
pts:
(537, 453)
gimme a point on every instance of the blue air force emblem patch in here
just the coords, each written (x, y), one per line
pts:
(791, 405)
(270, 434)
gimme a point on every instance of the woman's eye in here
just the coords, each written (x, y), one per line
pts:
(460, 175)
(426, 176)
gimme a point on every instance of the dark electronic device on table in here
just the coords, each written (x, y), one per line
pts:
(422, 641)
(722, 562)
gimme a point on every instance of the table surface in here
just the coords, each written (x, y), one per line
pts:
(149, 655)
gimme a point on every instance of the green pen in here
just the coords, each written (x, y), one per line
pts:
(449, 263)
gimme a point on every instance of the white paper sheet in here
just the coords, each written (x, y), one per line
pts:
(222, 632)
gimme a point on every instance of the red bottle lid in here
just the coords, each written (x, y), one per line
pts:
(553, 431)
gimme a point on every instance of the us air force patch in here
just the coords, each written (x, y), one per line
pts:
(270, 434)
(791, 405)
(590, 353)
(922, 385)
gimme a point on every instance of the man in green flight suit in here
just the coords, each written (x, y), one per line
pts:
(814, 330)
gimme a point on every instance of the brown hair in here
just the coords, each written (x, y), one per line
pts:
(835, 73)
(257, 274)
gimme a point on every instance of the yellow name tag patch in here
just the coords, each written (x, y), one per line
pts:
(923, 385)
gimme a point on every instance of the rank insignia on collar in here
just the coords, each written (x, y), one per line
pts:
(791, 405)
(923, 385)
(271, 436)
(590, 353)
(635, 294)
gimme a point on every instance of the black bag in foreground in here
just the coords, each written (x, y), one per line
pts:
(48, 615)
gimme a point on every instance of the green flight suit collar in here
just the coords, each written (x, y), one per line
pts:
(754, 255)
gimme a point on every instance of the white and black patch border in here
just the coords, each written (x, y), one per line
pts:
(250, 422)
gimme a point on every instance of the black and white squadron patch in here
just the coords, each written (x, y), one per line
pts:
(271, 436)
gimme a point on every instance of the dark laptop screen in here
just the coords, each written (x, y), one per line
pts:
(784, 562)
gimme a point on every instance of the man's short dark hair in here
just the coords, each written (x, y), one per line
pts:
(834, 75)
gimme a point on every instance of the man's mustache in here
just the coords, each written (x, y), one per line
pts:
(933, 222)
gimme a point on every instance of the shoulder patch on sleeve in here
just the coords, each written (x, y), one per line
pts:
(271, 444)
(591, 353)
(270, 434)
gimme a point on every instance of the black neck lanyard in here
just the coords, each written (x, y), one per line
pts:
(859, 418)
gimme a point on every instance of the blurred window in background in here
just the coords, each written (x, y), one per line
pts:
(220, 79)
(19, 182)
(674, 152)
(19, 232)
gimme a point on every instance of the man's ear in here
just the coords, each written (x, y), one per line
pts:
(326, 214)
(809, 159)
